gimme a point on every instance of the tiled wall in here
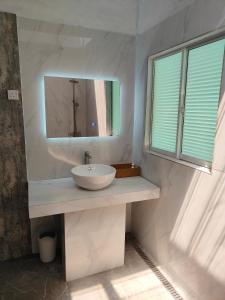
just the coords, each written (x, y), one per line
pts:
(183, 230)
(51, 49)
(14, 221)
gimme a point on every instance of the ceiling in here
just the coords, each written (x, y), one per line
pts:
(152, 12)
(124, 16)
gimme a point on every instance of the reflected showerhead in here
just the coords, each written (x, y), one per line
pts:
(74, 81)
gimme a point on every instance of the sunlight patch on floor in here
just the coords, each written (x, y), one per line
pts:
(133, 281)
(94, 292)
(142, 286)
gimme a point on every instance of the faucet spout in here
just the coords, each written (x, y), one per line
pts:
(87, 157)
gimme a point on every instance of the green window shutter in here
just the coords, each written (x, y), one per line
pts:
(166, 94)
(204, 73)
(116, 107)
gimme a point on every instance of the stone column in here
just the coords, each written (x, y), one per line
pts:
(14, 221)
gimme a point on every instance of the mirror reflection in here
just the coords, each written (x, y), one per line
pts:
(81, 107)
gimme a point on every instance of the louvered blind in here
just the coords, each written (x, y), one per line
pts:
(204, 73)
(166, 90)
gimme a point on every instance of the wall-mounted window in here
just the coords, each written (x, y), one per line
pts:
(184, 86)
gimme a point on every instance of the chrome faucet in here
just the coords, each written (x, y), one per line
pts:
(87, 157)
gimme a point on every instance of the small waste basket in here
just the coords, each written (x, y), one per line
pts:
(47, 246)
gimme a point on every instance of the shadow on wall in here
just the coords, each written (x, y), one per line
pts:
(200, 226)
(184, 230)
(199, 234)
(58, 153)
(199, 230)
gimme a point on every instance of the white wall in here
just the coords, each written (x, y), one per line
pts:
(49, 49)
(184, 230)
(116, 16)
(123, 16)
(153, 12)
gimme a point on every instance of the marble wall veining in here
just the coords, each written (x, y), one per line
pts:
(50, 49)
(122, 16)
(14, 220)
(70, 51)
(94, 240)
(183, 231)
(153, 12)
(117, 15)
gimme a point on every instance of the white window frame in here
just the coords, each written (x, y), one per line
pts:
(184, 48)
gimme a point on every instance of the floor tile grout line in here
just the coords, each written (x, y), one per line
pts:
(154, 269)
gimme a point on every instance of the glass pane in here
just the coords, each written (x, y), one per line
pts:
(166, 94)
(204, 73)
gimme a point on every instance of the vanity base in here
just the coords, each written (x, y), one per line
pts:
(94, 240)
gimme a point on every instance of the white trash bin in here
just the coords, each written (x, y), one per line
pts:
(47, 246)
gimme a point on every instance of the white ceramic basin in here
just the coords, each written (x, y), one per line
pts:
(94, 176)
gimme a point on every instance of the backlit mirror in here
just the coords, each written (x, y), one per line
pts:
(81, 107)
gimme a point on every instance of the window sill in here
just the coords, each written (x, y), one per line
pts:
(181, 162)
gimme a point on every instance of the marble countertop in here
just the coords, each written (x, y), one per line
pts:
(58, 196)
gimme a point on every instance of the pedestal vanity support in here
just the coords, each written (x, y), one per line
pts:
(94, 222)
(94, 240)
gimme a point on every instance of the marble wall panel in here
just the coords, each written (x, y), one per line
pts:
(184, 231)
(14, 221)
(50, 49)
(94, 241)
(70, 51)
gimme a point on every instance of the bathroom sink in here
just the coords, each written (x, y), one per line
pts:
(93, 176)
